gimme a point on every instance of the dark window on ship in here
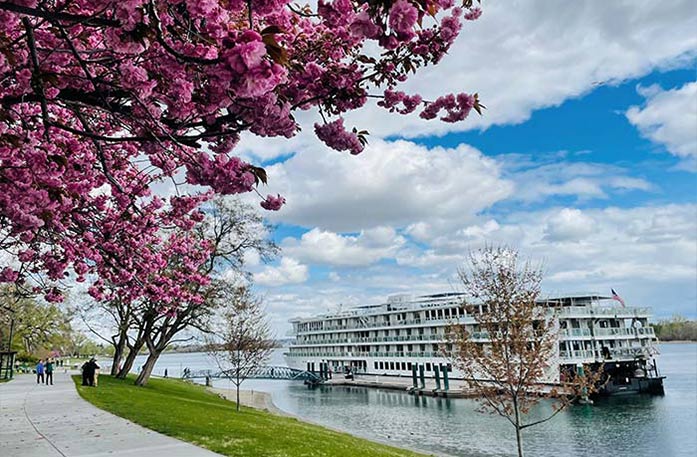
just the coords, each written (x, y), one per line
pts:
(428, 366)
(404, 366)
(376, 365)
(391, 365)
(409, 366)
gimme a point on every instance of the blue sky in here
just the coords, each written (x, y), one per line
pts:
(584, 159)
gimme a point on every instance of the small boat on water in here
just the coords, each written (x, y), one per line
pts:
(389, 339)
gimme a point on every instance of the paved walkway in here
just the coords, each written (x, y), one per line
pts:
(53, 421)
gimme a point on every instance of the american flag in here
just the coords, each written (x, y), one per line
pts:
(617, 297)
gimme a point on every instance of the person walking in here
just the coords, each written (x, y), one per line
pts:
(49, 371)
(40, 371)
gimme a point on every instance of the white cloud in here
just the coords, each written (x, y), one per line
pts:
(568, 225)
(329, 248)
(669, 117)
(391, 183)
(587, 248)
(554, 176)
(289, 271)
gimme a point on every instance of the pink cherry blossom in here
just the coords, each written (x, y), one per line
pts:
(273, 203)
(103, 100)
(334, 135)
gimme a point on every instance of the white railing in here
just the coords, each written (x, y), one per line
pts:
(615, 353)
(603, 311)
(606, 331)
(328, 355)
(373, 339)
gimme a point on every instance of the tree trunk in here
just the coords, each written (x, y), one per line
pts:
(118, 354)
(145, 373)
(238, 397)
(237, 375)
(518, 430)
(129, 361)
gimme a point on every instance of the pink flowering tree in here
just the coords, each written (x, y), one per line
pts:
(100, 99)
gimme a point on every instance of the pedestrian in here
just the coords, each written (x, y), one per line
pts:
(40, 371)
(49, 371)
(85, 373)
(93, 372)
(165, 372)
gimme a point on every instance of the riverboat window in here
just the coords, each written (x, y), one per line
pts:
(428, 366)
(404, 366)
(376, 365)
(381, 365)
(391, 365)
(409, 366)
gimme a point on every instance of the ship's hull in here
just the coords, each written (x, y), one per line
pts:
(634, 385)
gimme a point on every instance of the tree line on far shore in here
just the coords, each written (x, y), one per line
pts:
(677, 328)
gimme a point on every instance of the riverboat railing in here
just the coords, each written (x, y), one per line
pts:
(607, 331)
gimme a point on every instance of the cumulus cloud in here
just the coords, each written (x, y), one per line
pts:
(587, 248)
(544, 177)
(390, 184)
(669, 117)
(288, 271)
(324, 247)
(568, 225)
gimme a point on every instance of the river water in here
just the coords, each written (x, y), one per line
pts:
(631, 426)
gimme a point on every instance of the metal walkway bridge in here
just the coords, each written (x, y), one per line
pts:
(265, 372)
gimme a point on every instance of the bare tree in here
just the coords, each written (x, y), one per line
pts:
(243, 342)
(508, 357)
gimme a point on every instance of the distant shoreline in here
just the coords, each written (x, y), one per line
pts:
(677, 342)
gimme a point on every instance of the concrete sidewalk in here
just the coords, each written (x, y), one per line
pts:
(51, 421)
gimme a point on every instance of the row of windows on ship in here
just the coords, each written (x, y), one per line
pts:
(384, 365)
(406, 366)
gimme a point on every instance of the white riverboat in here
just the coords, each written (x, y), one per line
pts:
(390, 338)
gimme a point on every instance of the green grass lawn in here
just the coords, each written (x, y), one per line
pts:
(192, 414)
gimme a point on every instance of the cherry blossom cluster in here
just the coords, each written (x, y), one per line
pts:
(100, 100)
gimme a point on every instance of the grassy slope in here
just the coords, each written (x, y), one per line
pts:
(190, 413)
